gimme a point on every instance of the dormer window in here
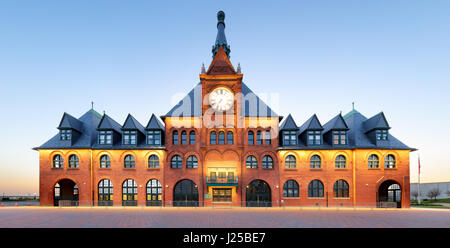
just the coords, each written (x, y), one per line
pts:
(129, 137)
(314, 138)
(381, 134)
(105, 138)
(154, 137)
(339, 138)
(65, 134)
(289, 138)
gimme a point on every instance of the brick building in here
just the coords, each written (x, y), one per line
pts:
(222, 144)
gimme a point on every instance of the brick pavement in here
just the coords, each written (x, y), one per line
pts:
(206, 217)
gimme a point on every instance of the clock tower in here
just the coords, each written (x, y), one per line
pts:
(221, 84)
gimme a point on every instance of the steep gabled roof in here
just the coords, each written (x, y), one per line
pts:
(154, 123)
(70, 122)
(377, 121)
(253, 106)
(358, 137)
(312, 123)
(88, 133)
(132, 124)
(221, 64)
(337, 123)
(189, 106)
(288, 124)
(108, 123)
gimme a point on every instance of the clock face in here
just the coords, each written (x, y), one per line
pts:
(221, 99)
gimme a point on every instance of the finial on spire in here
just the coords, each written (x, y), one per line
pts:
(203, 71)
(220, 17)
(221, 40)
(238, 70)
(92, 105)
(353, 105)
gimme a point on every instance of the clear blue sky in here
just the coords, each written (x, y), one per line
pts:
(134, 56)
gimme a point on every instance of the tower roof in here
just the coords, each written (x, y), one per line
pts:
(221, 40)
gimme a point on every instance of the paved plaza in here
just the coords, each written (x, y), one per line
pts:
(38, 217)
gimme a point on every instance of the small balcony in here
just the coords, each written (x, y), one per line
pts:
(221, 181)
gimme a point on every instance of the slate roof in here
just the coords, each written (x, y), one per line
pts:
(337, 123)
(312, 123)
(377, 121)
(132, 124)
(253, 106)
(70, 122)
(89, 124)
(191, 105)
(288, 124)
(154, 123)
(88, 128)
(108, 123)
(357, 125)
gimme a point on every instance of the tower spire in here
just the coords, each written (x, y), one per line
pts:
(221, 40)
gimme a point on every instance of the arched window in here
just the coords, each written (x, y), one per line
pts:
(105, 161)
(389, 161)
(129, 193)
(192, 137)
(230, 138)
(267, 162)
(192, 162)
(213, 138)
(251, 162)
(251, 138)
(154, 193)
(290, 188)
(290, 162)
(315, 162)
(259, 138)
(57, 161)
(340, 162)
(153, 161)
(267, 138)
(176, 162)
(73, 161)
(315, 189)
(183, 137)
(221, 138)
(340, 188)
(105, 193)
(175, 137)
(374, 162)
(129, 161)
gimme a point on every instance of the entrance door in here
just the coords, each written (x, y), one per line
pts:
(258, 194)
(65, 193)
(185, 194)
(390, 194)
(221, 195)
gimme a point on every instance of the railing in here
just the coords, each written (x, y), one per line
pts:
(221, 180)
(277, 204)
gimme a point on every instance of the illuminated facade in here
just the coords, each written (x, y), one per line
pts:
(222, 144)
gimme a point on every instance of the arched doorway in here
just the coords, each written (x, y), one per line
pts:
(258, 194)
(390, 194)
(185, 194)
(65, 193)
